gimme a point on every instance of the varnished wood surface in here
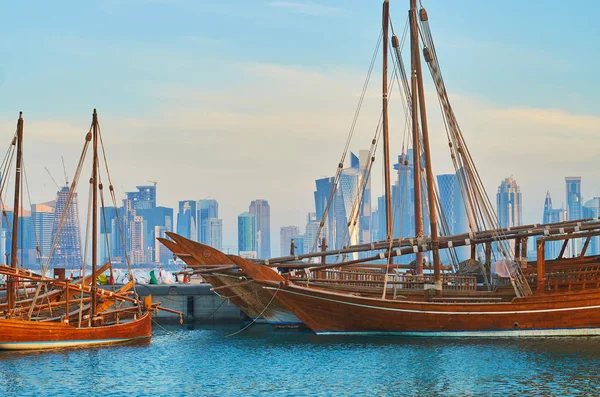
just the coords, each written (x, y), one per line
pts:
(324, 310)
(12, 331)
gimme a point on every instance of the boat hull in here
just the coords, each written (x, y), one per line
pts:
(33, 335)
(261, 302)
(325, 312)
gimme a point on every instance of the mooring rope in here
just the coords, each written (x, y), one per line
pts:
(259, 316)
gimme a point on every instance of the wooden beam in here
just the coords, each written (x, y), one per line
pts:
(541, 265)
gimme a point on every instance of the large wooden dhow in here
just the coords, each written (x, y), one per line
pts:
(549, 298)
(564, 303)
(61, 313)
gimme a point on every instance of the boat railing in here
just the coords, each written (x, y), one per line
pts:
(583, 277)
(400, 281)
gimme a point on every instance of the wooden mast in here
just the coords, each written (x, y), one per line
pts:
(426, 149)
(414, 46)
(11, 290)
(386, 138)
(94, 212)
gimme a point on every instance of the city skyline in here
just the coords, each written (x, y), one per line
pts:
(166, 96)
(158, 219)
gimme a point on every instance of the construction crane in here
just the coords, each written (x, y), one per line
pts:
(65, 171)
(51, 177)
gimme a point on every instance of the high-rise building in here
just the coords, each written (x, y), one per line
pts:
(591, 209)
(286, 234)
(214, 233)
(110, 242)
(453, 209)
(509, 203)
(350, 203)
(157, 216)
(207, 209)
(322, 195)
(138, 250)
(144, 198)
(552, 215)
(574, 208)
(247, 233)
(403, 205)
(453, 205)
(23, 238)
(574, 199)
(161, 253)
(310, 234)
(67, 250)
(3, 250)
(364, 217)
(186, 219)
(262, 212)
(42, 222)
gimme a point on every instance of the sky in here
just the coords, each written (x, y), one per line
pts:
(240, 100)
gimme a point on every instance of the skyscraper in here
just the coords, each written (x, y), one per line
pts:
(574, 207)
(262, 212)
(286, 234)
(67, 251)
(138, 251)
(42, 222)
(207, 209)
(246, 233)
(508, 203)
(144, 198)
(344, 206)
(161, 253)
(186, 219)
(214, 233)
(552, 215)
(24, 234)
(321, 194)
(157, 216)
(574, 199)
(452, 203)
(453, 209)
(310, 234)
(591, 209)
(364, 217)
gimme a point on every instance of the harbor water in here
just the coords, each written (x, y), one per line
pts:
(265, 361)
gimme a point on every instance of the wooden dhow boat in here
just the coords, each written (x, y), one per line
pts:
(550, 298)
(84, 315)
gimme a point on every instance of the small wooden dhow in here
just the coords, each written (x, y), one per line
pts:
(558, 297)
(69, 314)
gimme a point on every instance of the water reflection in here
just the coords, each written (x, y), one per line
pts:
(262, 360)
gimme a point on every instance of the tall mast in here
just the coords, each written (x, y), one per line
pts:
(386, 137)
(94, 212)
(414, 47)
(426, 148)
(11, 291)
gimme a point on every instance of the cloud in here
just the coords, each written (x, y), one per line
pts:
(308, 8)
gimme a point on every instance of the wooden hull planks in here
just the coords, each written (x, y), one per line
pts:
(32, 335)
(325, 311)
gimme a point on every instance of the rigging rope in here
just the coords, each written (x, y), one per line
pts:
(348, 139)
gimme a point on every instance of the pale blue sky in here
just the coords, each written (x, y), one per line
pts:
(114, 50)
(201, 88)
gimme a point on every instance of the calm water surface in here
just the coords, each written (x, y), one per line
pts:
(264, 361)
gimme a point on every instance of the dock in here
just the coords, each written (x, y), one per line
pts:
(198, 303)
